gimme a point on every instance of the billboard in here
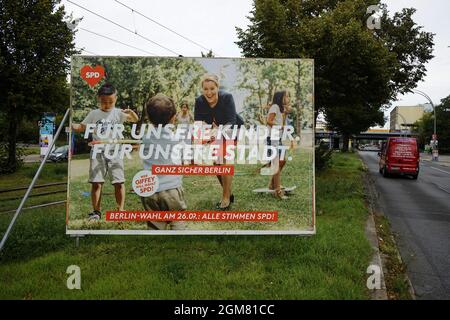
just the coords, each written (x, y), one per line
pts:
(191, 146)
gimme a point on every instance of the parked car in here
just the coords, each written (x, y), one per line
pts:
(362, 147)
(59, 154)
(399, 156)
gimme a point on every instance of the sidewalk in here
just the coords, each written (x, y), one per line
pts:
(31, 158)
(444, 160)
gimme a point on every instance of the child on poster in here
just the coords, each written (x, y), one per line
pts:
(276, 116)
(170, 194)
(106, 115)
(184, 116)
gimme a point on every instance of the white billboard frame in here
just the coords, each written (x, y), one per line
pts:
(83, 232)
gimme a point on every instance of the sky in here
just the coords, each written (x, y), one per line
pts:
(433, 16)
(211, 25)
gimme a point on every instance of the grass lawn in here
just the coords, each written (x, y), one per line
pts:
(52, 172)
(31, 150)
(329, 265)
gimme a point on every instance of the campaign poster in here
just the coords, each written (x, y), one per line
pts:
(177, 145)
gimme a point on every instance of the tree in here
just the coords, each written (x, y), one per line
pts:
(262, 78)
(357, 70)
(35, 44)
(209, 54)
(425, 126)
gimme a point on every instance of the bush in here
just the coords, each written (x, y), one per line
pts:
(323, 156)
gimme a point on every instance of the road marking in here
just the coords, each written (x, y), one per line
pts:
(442, 188)
(439, 170)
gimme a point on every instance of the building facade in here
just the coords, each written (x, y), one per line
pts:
(402, 118)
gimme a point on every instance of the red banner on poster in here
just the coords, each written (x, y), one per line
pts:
(212, 216)
(225, 170)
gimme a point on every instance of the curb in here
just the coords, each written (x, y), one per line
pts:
(371, 234)
(443, 159)
(442, 163)
(431, 160)
(375, 209)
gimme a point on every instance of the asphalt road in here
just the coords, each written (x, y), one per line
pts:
(419, 214)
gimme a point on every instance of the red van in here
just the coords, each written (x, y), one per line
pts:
(399, 155)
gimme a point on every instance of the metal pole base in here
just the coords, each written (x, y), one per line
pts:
(77, 239)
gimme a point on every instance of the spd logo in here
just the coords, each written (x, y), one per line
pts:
(92, 75)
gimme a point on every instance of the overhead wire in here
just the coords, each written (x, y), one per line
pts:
(161, 25)
(125, 28)
(117, 41)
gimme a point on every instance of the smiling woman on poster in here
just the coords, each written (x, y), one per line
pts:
(216, 107)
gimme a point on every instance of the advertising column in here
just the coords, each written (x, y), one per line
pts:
(46, 130)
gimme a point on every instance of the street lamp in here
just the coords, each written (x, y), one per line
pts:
(404, 123)
(435, 148)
